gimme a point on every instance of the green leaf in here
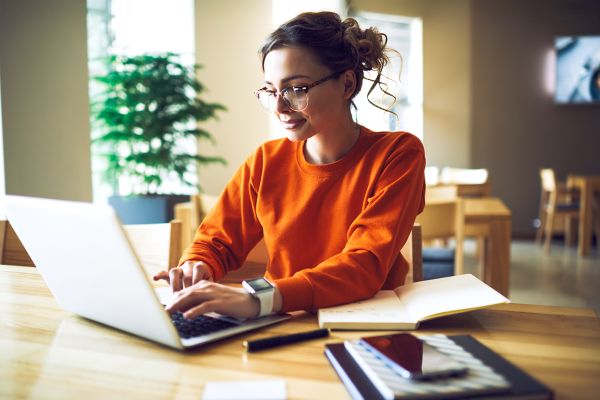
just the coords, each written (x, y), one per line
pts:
(148, 103)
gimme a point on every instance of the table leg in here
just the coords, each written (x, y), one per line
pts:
(585, 220)
(497, 255)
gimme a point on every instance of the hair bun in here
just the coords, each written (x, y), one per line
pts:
(368, 45)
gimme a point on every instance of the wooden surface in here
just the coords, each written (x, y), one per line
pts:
(466, 189)
(588, 186)
(489, 219)
(48, 353)
(11, 249)
(443, 218)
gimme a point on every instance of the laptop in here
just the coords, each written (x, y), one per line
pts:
(89, 265)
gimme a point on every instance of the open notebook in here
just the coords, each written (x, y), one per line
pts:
(407, 305)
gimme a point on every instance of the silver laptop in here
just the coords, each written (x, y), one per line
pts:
(83, 254)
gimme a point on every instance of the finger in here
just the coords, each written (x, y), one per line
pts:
(189, 298)
(175, 276)
(188, 271)
(204, 308)
(164, 275)
(199, 273)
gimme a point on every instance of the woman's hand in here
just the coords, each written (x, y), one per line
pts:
(187, 274)
(204, 297)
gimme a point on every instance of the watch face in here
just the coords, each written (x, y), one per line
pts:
(259, 284)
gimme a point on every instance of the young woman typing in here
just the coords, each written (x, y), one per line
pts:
(333, 201)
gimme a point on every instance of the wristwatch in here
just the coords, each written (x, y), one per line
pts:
(264, 291)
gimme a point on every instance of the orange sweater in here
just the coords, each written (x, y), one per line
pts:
(333, 232)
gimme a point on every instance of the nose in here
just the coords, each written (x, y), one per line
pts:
(280, 104)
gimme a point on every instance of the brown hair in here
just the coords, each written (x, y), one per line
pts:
(339, 45)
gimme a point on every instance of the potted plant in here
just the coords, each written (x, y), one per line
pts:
(146, 114)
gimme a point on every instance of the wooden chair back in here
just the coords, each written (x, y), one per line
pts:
(553, 193)
(445, 219)
(412, 252)
(191, 215)
(548, 179)
(12, 251)
(158, 246)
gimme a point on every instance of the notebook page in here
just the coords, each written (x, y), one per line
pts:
(444, 296)
(383, 307)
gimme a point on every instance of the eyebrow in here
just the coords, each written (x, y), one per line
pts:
(289, 78)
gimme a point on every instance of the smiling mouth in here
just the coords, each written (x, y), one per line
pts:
(292, 123)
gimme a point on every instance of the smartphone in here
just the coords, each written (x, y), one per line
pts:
(413, 358)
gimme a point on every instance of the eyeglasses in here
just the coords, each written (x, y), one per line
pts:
(295, 97)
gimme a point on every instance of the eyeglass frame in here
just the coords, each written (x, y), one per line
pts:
(305, 88)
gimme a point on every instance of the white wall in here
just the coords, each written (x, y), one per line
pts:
(228, 36)
(45, 118)
(446, 73)
(2, 185)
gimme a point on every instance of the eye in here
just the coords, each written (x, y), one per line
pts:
(299, 89)
(294, 91)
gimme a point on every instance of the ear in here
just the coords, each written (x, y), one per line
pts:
(349, 79)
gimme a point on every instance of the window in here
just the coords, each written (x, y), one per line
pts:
(132, 27)
(403, 76)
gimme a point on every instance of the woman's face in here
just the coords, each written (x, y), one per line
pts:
(327, 102)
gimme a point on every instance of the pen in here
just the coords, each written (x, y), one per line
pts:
(274, 341)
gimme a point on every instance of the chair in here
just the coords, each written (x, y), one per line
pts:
(12, 251)
(412, 253)
(442, 219)
(191, 215)
(556, 200)
(158, 246)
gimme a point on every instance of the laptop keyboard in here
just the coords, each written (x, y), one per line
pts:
(202, 325)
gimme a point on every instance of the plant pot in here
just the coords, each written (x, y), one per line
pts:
(146, 209)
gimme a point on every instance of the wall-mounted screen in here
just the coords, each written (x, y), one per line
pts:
(577, 69)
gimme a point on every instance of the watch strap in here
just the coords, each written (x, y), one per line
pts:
(266, 302)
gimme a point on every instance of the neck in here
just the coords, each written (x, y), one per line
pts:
(328, 147)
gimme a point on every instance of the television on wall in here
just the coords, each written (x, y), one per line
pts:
(577, 70)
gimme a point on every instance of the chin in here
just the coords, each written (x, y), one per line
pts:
(297, 138)
(298, 135)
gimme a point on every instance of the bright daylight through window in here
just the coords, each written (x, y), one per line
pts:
(131, 28)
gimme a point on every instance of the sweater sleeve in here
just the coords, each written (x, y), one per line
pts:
(374, 240)
(230, 230)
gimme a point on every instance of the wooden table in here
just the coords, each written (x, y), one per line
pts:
(466, 189)
(46, 352)
(588, 186)
(488, 218)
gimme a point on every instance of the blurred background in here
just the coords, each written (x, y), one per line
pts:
(477, 84)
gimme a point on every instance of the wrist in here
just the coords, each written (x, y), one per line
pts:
(277, 300)
(254, 306)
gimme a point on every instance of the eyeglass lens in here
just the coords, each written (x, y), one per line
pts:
(295, 98)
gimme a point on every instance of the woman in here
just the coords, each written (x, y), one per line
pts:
(334, 201)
